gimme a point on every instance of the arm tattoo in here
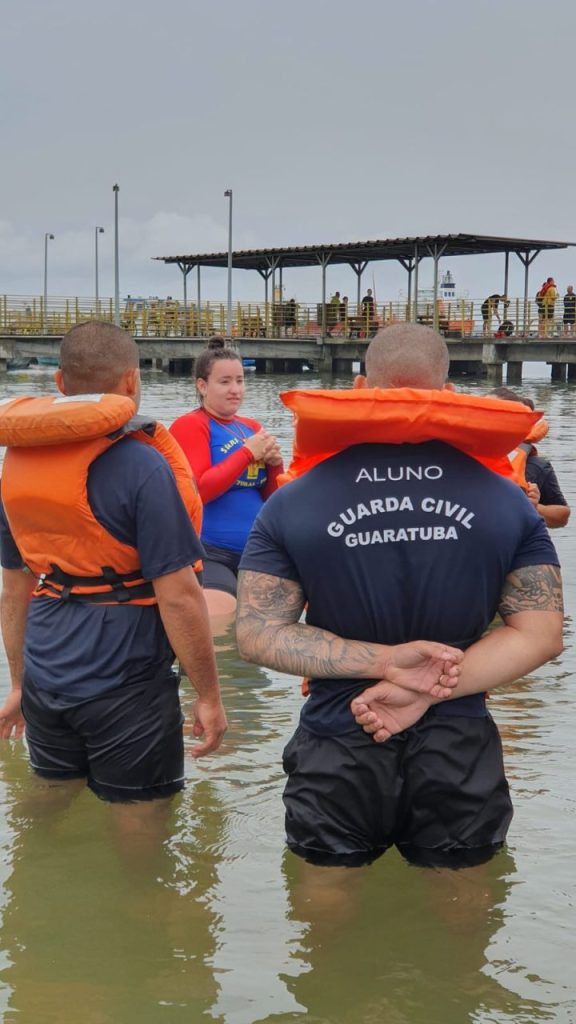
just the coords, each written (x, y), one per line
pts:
(269, 633)
(535, 588)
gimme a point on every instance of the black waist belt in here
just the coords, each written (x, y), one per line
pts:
(61, 584)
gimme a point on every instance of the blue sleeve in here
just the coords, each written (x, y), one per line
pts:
(265, 550)
(536, 547)
(550, 493)
(133, 494)
(165, 538)
(10, 557)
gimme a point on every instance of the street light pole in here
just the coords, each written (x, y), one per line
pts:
(45, 308)
(97, 231)
(116, 189)
(228, 193)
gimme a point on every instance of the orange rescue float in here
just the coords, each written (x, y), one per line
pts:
(51, 444)
(327, 422)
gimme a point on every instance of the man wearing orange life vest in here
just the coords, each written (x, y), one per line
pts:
(102, 522)
(384, 543)
(543, 487)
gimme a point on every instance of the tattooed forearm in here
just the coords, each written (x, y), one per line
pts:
(531, 589)
(269, 633)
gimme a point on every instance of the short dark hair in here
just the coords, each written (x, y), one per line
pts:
(94, 355)
(511, 396)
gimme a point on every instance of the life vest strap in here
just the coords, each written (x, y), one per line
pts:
(62, 584)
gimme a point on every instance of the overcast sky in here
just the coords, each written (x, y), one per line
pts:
(331, 120)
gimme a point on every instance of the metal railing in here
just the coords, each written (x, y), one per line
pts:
(169, 318)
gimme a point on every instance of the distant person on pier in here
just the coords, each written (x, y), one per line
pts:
(368, 307)
(569, 310)
(548, 296)
(333, 311)
(236, 464)
(545, 493)
(368, 303)
(490, 309)
(290, 316)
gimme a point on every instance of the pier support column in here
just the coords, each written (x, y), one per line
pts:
(492, 360)
(514, 373)
(269, 366)
(494, 373)
(558, 372)
(571, 371)
(3, 365)
(324, 362)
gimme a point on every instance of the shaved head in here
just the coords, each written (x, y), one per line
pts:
(407, 356)
(94, 356)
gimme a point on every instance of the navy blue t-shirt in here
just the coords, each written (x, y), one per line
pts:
(540, 472)
(81, 650)
(392, 543)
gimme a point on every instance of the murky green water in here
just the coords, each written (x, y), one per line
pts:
(103, 924)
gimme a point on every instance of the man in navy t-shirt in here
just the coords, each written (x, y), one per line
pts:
(387, 544)
(95, 681)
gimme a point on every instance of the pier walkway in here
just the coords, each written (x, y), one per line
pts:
(497, 359)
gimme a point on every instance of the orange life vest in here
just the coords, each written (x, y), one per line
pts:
(51, 444)
(327, 422)
(519, 457)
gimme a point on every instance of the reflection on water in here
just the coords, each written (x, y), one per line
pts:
(105, 925)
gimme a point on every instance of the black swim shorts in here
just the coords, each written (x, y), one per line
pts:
(220, 569)
(436, 791)
(127, 743)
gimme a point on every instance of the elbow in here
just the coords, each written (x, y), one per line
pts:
(248, 648)
(557, 648)
(249, 655)
(556, 518)
(553, 645)
(245, 647)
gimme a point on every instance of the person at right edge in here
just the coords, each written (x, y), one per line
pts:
(543, 488)
(398, 534)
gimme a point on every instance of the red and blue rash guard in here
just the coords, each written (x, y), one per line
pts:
(232, 486)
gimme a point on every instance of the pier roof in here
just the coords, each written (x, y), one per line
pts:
(403, 249)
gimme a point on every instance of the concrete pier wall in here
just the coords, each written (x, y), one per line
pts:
(289, 355)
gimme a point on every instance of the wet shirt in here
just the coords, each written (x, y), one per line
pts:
(80, 650)
(392, 543)
(231, 485)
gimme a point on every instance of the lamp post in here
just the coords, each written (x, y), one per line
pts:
(47, 236)
(228, 194)
(97, 231)
(116, 189)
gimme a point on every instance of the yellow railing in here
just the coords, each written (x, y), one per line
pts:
(168, 318)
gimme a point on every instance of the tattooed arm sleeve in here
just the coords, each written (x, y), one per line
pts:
(269, 633)
(532, 612)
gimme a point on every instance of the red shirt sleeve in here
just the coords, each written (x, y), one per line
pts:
(271, 484)
(192, 432)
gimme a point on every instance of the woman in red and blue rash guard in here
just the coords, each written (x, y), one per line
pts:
(236, 464)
